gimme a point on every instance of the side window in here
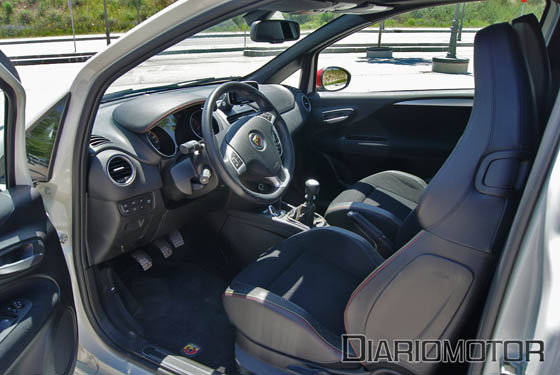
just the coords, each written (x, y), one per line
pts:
(408, 52)
(40, 141)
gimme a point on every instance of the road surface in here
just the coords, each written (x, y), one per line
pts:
(407, 70)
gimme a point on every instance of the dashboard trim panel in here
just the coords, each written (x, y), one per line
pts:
(131, 115)
(125, 123)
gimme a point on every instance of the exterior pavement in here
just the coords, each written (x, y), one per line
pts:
(407, 70)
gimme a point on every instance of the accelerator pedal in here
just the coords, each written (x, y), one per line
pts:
(143, 259)
(176, 238)
(164, 247)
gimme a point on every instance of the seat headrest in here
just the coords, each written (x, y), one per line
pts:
(467, 199)
(536, 57)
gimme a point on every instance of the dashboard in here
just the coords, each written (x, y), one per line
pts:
(135, 156)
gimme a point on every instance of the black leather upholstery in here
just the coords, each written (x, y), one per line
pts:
(501, 121)
(389, 199)
(433, 286)
(464, 213)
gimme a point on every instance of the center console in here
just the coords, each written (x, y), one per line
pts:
(252, 232)
(300, 216)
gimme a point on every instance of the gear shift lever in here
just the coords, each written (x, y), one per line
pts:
(311, 190)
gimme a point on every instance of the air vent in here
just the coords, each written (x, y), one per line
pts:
(97, 140)
(277, 142)
(121, 170)
(306, 103)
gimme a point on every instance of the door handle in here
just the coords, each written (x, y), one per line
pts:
(21, 257)
(334, 120)
(335, 116)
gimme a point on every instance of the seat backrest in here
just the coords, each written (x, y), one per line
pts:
(537, 61)
(466, 199)
(434, 284)
(536, 58)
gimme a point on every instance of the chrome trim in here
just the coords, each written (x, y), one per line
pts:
(340, 115)
(443, 102)
(335, 120)
(22, 264)
(127, 159)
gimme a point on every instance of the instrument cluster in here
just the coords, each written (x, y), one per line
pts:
(175, 129)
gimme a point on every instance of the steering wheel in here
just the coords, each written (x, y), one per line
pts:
(254, 154)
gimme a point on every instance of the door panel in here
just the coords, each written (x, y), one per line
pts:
(356, 135)
(38, 330)
(38, 333)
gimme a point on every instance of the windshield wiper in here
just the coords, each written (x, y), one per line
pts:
(149, 90)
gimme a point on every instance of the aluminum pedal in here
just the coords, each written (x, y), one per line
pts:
(164, 247)
(176, 239)
(143, 259)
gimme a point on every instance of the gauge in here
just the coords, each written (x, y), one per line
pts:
(161, 141)
(168, 123)
(195, 122)
(154, 139)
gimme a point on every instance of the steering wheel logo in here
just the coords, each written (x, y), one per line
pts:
(257, 141)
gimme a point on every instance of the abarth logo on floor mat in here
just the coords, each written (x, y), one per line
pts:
(191, 350)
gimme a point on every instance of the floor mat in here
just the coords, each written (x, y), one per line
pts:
(182, 311)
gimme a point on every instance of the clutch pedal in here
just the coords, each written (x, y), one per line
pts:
(164, 247)
(143, 259)
(176, 239)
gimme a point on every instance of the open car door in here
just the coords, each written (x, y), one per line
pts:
(38, 330)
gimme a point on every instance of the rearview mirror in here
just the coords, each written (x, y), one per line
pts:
(274, 31)
(332, 78)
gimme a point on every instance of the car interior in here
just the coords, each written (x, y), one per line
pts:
(231, 224)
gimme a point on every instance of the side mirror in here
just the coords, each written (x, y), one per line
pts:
(274, 31)
(332, 78)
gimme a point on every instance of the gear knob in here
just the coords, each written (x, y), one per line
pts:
(312, 187)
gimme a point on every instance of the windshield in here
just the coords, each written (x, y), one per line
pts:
(223, 50)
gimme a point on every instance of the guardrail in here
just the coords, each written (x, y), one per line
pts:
(63, 58)
(232, 34)
(250, 51)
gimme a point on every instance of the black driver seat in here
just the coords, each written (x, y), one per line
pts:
(388, 199)
(292, 304)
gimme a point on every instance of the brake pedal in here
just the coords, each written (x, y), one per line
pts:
(164, 247)
(176, 239)
(143, 259)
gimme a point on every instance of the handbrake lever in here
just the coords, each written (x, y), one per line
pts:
(373, 234)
